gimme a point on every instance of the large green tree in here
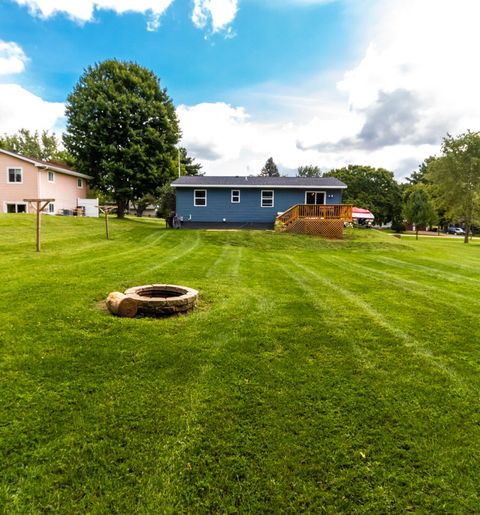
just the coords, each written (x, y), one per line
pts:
(37, 145)
(122, 130)
(372, 188)
(269, 169)
(422, 177)
(456, 177)
(418, 207)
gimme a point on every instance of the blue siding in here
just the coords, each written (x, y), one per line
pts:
(249, 210)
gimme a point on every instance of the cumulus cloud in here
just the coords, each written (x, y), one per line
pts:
(415, 82)
(218, 13)
(21, 109)
(227, 141)
(18, 107)
(83, 10)
(12, 58)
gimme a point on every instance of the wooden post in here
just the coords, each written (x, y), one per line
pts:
(39, 205)
(106, 223)
(105, 210)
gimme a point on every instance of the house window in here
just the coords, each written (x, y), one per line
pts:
(315, 197)
(51, 177)
(51, 208)
(79, 183)
(200, 198)
(16, 208)
(235, 198)
(267, 198)
(15, 175)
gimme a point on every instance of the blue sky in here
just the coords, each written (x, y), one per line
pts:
(304, 81)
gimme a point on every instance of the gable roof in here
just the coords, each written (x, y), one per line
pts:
(202, 181)
(45, 165)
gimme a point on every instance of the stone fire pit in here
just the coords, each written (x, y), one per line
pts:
(162, 299)
(152, 300)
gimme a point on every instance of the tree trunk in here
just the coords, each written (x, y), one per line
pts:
(121, 305)
(467, 231)
(121, 206)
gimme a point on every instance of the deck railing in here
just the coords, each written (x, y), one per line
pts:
(318, 211)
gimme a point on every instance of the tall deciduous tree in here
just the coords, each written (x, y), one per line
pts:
(309, 171)
(372, 188)
(122, 130)
(270, 169)
(418, 208)
(421, 176)
(37, 145)
(456, 176)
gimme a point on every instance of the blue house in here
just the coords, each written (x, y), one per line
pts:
(204, 201)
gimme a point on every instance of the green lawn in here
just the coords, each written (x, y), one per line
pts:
(314, 376)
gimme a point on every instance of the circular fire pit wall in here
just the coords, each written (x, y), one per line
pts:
(162, 299)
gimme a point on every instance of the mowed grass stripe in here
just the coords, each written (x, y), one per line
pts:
(209, 410)
(240, 391)
(387, 293)
(433, 271)
(406, 339)
(434, 294)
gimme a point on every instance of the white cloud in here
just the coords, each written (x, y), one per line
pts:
(18, 107)
(83, 10)
(21, 109)
(220, 13)
(12, 58)
(417, 79)
(429, 49)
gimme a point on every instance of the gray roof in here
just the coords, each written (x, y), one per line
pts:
(203, 181)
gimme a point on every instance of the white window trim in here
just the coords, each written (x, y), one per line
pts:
(231, 197)
(6, 202)
(8, 174)
(317, 191)
(262, 199)
(48, 176)
(51, 208)
(195, 198)
(79, 183)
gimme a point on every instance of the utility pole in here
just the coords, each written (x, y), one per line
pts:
(178, 155)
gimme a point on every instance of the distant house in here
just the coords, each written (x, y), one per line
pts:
(204, 201)
(23, 178)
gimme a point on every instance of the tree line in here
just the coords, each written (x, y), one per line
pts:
(444, 190)
(123, 131)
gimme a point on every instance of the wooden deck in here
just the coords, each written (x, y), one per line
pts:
(320, 219)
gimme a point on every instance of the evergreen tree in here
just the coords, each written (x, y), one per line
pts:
(187, 164)
(270, 169)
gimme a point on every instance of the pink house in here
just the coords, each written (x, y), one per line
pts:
(24, 178)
